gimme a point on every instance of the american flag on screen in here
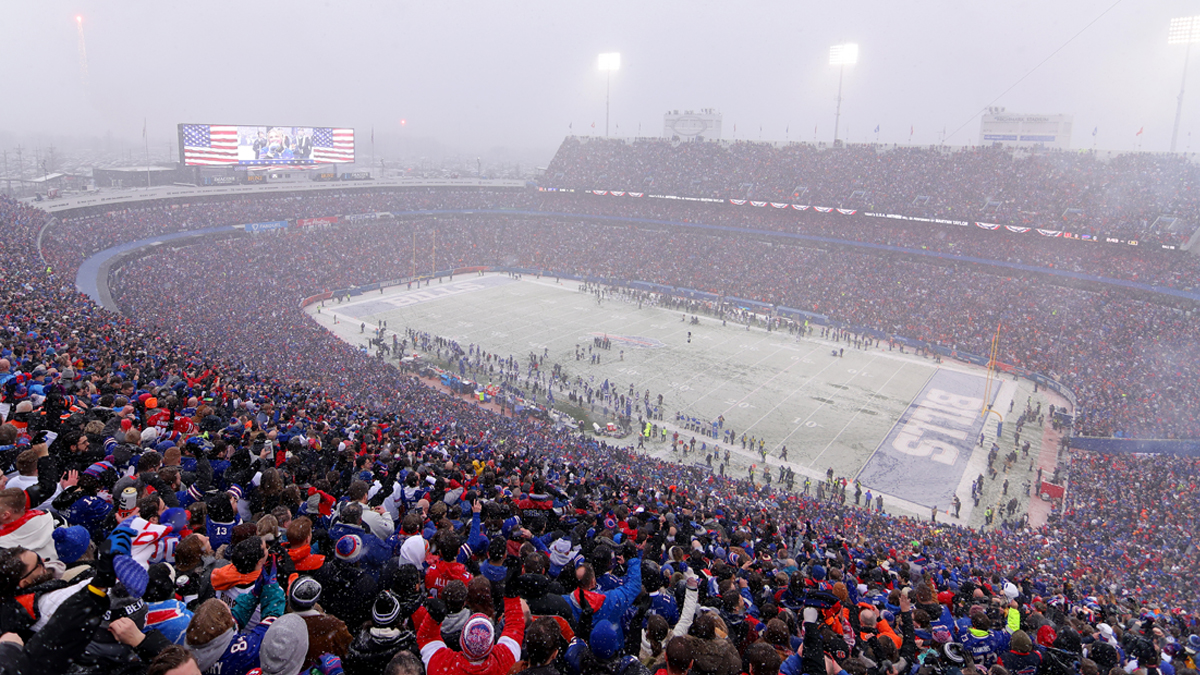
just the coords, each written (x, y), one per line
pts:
(332, 145)
(204, 144)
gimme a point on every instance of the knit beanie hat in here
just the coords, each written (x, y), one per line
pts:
(350, 548)
(606, 640)
(386, 610)
(304, 593)
(284, 646)
(161, 584)
(1021, 642)
(1068, 641)
(1046, 635)
(560, 552)
(70, 543)
(477, 637)
(219, 508)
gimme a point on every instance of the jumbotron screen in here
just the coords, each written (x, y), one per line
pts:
(226, 144)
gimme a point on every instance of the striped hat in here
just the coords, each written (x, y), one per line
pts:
(95, 470)
(349, 548)
(477, 637)
(386, 610)
(304, 593)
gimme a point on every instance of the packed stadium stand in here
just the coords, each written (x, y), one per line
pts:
(219, 479)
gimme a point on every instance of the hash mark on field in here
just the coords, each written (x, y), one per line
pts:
(852, 418)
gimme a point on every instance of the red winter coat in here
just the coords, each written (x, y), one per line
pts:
(441, 660)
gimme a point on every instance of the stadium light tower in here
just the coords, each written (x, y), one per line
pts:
(1184, 30)
(608, 63)
(841, 56)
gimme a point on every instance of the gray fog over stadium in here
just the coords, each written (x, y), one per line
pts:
(372, 338)
(508, 80)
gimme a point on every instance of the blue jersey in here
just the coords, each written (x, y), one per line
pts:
(986, 647)
(608, 581)
(242, 653)
(664, 605)
(220, 533)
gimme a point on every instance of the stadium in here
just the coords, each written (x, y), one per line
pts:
(679, 405)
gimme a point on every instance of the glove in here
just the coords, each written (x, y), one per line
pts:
(269, 571)
(329, 664)
(630, 550)
(284, 566)
(106, 576)
(811, 614)
(436, 609)
(120, 541)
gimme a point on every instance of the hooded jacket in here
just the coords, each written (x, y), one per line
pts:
(453, 624)
(373, 648)
(33, 531)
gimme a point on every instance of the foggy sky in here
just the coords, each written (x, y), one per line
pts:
(478, 75)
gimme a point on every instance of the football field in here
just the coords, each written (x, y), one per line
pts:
(903, 424)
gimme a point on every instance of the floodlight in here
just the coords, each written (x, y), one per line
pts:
(610, 61)
(1184, 30)
(843, 55)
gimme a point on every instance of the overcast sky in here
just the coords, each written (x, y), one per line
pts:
(477, 75)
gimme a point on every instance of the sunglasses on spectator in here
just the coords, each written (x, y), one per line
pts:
(40, 564)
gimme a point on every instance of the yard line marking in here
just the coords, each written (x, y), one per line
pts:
(823, 404)
(855, 416)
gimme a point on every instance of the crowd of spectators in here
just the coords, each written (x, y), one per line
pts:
(230, 489)
(74, 238)
(1074, 191)
(1129, 361)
